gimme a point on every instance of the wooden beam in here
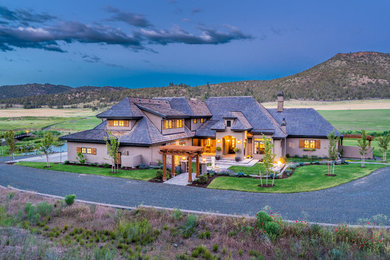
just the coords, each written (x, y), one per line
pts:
(164, 167)
(173, 166)
(189, 169)
(197, 165)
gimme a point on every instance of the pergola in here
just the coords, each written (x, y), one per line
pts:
(179, 150)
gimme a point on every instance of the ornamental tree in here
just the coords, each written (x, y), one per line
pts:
(363, 145)
(383, 143)
(268, 159)
(46, 146)
(9, 137)
(332, 149)
(113, 143)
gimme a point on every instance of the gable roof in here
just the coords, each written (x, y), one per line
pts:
(122, 110)
(256, 116)
(303, 122)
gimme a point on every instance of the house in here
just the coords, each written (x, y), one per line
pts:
(219, 124)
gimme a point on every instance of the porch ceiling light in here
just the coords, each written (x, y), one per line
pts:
(238, 141)
(183, 158)
(218, 140)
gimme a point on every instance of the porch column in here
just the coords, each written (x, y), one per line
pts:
(164, 166)
(197, 165)
(173, 166)
(189, 168)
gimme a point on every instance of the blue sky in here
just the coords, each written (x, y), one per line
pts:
(152, 43)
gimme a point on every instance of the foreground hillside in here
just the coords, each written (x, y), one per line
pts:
(35, 227)
(361, 75)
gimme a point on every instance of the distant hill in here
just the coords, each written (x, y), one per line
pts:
(16, 91)
(346, 76)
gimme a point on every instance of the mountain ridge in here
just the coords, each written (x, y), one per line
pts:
(345, 76)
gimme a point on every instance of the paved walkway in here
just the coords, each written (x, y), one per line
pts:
(181, 179)
(346, 203)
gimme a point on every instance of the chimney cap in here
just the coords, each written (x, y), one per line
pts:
(280, 94)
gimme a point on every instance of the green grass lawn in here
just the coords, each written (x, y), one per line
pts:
(370, 120)
(77, 124)
(374, 144)
(27, 122)
(248, 170)
(145, 175)
(306, 178)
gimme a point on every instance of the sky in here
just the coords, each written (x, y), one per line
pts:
(132, 43)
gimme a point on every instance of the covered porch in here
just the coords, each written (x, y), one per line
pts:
(184, 151)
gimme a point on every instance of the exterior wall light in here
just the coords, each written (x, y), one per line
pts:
(238, 141)
(218, 140)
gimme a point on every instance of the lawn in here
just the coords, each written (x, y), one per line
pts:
(374, 120)
(254, 170)
(145, 174)
(77, 124)
(377, 151)
(29, 122)
(306, 178)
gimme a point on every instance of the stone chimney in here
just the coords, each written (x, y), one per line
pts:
(284, 125)
(280, 101)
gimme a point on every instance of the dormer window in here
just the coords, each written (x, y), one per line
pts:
(173, 123)
(195, 121)
(118, 123)
(202, 120)
(228, 123)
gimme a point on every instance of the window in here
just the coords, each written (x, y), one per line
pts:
(259, 146)
(195, 121)
(116, 123)
(86, 150)
(173, 123)
(121, 123)
(89, 150)
(309, 144)
(228, 123)
(202, 120)
(83, 150)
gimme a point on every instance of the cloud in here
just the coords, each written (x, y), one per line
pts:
(207, 36)
(137, 20)
(90, 58)
(24, 17)
(196, 10)
(54, 37)
(49, 38)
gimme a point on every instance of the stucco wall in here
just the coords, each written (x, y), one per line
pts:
(100, 157)
(293, 148)
(354, 152)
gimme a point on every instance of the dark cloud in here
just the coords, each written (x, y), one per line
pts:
(196, 10)
(137, 20)
(24, 17)
(208, 36)
(90, 58)
(53, 37)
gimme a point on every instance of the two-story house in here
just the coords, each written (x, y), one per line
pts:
(143, 125)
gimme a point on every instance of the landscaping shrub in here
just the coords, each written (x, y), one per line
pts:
(106, 165)
(287, 155)
(189, 227)
(262, 218)
(66, 162)
(272, 228)
(203, 179)
(241, 174)
(69, 199)
(143, 166)
(159, 174)
(44, 209)
(176, 214)
(288, 172)
(140, 232)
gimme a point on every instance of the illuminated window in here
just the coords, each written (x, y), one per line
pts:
(175, 123)
(309, 144)
(259, 146)
(83, 150)
(121, 123)
(89, 150)
(195, 121)
(202, 120)
(116, 123)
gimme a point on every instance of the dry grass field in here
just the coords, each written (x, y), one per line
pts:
(335, 105)
(45, 112)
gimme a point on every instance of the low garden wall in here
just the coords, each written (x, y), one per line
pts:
(354, 152)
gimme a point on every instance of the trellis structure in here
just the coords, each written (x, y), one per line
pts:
(185, 151)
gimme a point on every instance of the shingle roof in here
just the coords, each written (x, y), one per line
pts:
(206, 130)
(192, 107)
(164, 111)
(256, 115)
(240, 123)
(122, 110)
(303, 122)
